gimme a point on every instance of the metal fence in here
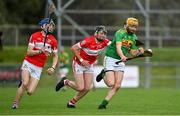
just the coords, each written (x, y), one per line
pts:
(18, 35)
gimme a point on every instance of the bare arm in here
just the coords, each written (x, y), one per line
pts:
(119, 51)
(76, 49)
(55, 60)
(51, 70)
(139, 51)
(31, 52)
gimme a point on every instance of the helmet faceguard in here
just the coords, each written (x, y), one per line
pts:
(101, 28)
(47, 25)
(100, 33)
(131, 25)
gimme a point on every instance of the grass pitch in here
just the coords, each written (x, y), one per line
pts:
(45, 101)
(139, 101)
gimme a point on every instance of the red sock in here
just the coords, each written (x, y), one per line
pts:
(15, 102)
(72, 101)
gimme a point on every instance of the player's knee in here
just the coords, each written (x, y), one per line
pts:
(117, 87)
(80, 88)
(25, 84)
(110, 84)
(87, 88)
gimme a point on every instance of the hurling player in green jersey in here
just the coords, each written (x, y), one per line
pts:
(122, 45)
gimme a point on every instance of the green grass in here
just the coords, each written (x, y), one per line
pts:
(45, 101)
(12, 55)
(15, 55)
(126, 102)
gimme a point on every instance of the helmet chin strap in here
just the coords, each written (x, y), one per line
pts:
(46, 29)
(45, 32)
(128, 29)
(99, 40)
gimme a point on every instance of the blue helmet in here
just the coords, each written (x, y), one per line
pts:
(45, 21)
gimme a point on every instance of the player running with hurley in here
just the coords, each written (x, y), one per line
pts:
(35, 59)
(123, 45)
(86, 53)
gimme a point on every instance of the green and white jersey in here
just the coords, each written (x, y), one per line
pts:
(128, 42)
(64, 60)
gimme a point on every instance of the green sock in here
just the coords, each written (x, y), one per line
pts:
(104, 102)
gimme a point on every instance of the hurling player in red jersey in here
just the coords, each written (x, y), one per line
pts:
(35, 59)
(86, 53)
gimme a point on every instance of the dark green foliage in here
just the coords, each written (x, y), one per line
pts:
(21, 11)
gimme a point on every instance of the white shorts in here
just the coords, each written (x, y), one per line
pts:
(79, 69)
(34, 70)
(110, 64)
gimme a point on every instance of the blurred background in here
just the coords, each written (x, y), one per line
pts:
(159, 29)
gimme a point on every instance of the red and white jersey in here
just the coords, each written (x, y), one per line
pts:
(91, 49)
(37, 41)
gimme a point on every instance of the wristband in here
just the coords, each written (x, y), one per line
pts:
(81, 60)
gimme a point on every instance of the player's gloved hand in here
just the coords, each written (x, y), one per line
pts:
(50, 70)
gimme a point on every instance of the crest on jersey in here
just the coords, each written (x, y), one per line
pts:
(83, 42)
(48, 41)
(127, 43)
